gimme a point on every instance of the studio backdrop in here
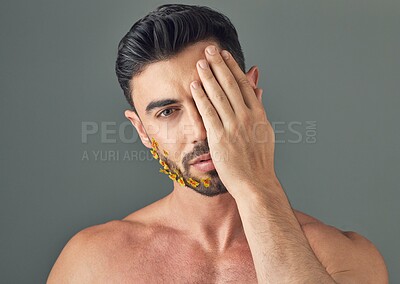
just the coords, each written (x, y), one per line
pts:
(69, 158)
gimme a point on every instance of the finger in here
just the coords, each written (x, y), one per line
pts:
(225, 78)
(259, 93)
(207, 111)
(246, 90)
(214, 92)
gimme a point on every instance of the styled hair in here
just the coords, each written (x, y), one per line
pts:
(164, 32)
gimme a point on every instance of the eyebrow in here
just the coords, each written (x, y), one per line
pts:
(159, 103)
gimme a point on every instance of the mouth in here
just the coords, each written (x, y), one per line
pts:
(201, 159)
(203, 163)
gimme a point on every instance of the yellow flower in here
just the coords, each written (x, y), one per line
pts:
(177, 172)
(192, 182)
(172, 176)
(154, 143)
(164, 171)
(165, 153)
(164, 164)
(206, 182)
(154, 153)
(181, 181)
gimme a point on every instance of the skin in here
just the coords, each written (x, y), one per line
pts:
(245, 231)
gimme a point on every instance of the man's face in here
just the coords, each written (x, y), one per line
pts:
(168, 114)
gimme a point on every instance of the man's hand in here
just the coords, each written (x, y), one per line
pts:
(238, 130)
(240, 137)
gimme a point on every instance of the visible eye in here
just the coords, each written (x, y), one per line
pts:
(166, 112)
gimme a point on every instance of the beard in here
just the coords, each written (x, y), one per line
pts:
(216, 186)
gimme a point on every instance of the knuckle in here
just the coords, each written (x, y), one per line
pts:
(219, 97)
(208, 75)
(209, 111)
(230, 82)
(218, 60)
(243, 81)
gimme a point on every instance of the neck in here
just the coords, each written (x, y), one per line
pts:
(213, 221)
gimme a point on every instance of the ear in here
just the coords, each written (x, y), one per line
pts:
(137, 123)
(252, 76)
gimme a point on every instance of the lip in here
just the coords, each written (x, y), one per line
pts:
(204, 157)
(204, 166)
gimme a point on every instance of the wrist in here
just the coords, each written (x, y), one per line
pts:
(259, 192)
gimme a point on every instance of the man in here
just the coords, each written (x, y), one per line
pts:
(228, 218)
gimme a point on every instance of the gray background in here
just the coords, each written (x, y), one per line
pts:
(333, 62)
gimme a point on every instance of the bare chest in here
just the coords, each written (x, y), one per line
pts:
(174, 264)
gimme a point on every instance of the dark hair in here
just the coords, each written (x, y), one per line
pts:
(166, 31)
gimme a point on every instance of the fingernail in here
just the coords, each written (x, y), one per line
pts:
(211, 50)
(225, 54)
(203, 64)
(195, 85)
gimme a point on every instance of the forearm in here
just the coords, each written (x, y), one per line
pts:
(280, 250)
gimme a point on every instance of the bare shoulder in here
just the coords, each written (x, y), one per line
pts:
(88, 252)
(109, 249)
(347, 256)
